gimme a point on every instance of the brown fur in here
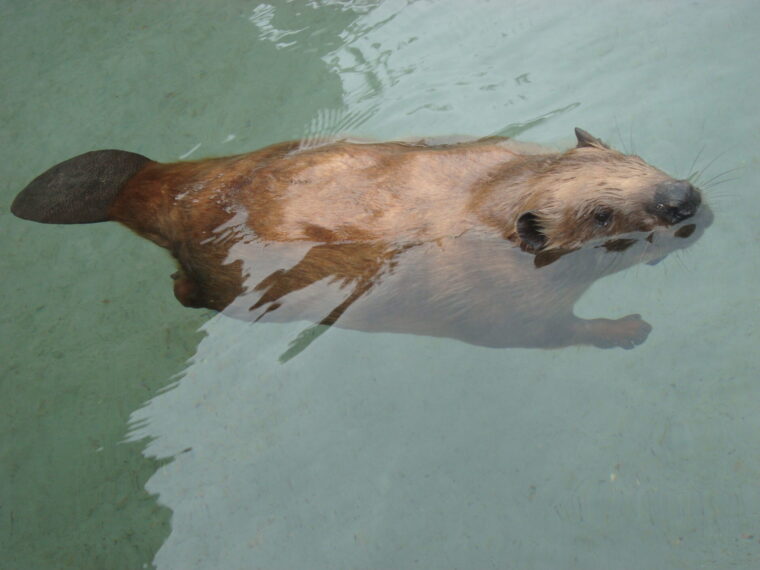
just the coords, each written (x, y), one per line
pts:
(469, 240)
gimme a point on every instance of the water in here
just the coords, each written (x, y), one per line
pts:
(137, 433)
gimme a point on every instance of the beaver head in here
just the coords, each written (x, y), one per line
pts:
(592, 193)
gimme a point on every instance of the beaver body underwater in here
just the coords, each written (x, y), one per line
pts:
(490, 241)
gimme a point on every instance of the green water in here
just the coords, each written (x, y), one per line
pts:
(136, 433)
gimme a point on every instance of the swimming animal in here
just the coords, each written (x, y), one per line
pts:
(489, 241)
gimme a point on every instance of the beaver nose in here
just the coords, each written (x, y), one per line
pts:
(674, 201)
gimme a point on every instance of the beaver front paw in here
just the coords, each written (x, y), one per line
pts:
(625, 332)
(186, 290)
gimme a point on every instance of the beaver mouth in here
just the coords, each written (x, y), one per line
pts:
(664, 239)
(621, 244)
(683, 232)
(689, 228)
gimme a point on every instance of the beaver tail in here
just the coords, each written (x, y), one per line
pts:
(79, 190)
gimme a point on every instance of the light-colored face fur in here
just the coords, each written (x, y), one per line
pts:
(590, 193)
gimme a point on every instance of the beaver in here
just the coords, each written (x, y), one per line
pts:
(490, 241)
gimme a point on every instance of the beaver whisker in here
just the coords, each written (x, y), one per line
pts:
(697, 175)
(717, 197)
(716, 184)
(694, 162)
(715, 180)
(620, 137)
(678, 259)
(614, 260)
(642, 255)
(631, 146)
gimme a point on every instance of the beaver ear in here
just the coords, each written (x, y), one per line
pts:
(529, 230)
(587, 139)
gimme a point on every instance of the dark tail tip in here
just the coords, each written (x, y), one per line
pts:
(79, 190)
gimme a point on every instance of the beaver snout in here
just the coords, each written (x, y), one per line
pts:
(675, 201)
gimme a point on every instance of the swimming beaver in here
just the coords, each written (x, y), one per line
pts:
(489, 241)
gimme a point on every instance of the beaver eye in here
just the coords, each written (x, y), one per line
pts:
(603, 216)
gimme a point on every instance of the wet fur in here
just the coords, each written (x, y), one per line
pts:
(470, 241)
